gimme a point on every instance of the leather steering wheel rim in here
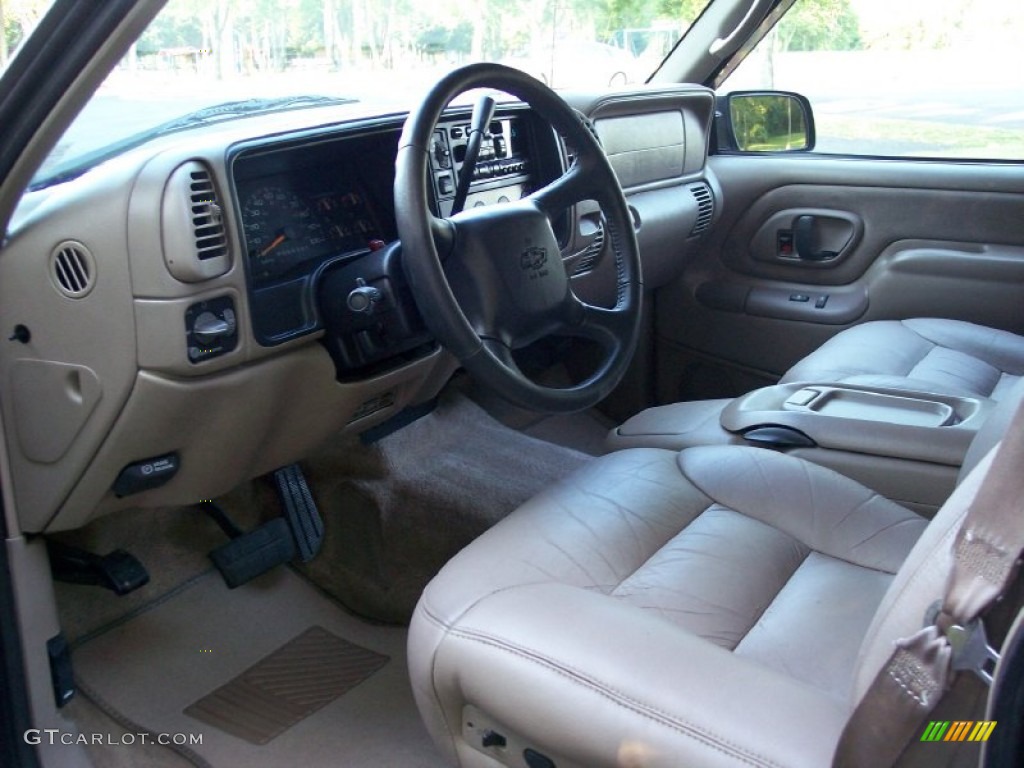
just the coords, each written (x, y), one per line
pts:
(490, 280)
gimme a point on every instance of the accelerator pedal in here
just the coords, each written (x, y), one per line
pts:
(300, 510)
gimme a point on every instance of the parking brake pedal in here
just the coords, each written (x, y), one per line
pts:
(300, 510)
(118, 571)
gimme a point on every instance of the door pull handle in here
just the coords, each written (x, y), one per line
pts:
(803, 241)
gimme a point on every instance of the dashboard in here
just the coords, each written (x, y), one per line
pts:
(239, 297)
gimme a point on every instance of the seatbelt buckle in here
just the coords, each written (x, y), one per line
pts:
(969, 647)
(971, 651)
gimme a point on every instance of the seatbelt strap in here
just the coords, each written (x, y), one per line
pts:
(986, 554)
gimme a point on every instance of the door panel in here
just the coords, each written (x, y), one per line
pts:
(910, 239)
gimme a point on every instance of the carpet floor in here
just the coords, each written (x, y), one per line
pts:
(177, 655)
(344, 702)
(399, 509)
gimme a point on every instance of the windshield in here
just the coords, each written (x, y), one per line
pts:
(262, 54)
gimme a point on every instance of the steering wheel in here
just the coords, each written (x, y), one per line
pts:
(490, 280)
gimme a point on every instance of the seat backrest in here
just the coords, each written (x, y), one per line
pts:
(922, 578)
(992, 430)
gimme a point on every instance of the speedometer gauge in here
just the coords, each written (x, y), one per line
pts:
(280, 231)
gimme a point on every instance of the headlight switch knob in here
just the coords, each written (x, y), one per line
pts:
(209, 329)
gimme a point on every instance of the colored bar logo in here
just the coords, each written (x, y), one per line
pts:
(958, 730)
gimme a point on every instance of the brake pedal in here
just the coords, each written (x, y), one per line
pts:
(306, 524)
(254, 553)
(119, 571)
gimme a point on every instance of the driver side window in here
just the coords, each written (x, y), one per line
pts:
(915, 78)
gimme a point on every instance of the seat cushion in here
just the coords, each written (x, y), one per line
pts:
(927, 354)
(705, 608)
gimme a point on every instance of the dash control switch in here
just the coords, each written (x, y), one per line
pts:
(212, 328)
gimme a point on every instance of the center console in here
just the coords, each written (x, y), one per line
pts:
(906, 445)
(888, 423)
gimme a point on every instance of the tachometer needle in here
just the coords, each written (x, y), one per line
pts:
(273, 244)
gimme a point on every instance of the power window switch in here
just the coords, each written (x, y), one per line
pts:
(821, 302)
(801, 298)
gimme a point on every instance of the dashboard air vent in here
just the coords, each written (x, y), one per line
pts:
(73, 269)
(195, 238)
(587, 258)
(705, 208)
(207, 217)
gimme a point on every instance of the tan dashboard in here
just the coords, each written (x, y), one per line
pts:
(138, 343)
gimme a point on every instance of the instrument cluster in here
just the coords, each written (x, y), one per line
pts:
(328, 206)
(310, 204)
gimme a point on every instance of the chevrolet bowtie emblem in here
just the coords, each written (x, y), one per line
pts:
(533, 258)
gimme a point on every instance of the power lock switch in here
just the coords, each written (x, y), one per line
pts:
(784, 244)
(146, 474)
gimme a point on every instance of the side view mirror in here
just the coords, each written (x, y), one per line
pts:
(764, 121)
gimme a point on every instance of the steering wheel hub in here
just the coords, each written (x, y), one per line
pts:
(506, 272)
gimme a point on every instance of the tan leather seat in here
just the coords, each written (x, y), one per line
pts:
(723, 606)
(927, 354)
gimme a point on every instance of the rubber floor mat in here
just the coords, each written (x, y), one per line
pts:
(291, 683)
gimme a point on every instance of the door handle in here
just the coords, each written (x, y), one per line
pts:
(804, 241)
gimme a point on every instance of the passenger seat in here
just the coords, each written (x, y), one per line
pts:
(945, 357)
(948, 357)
